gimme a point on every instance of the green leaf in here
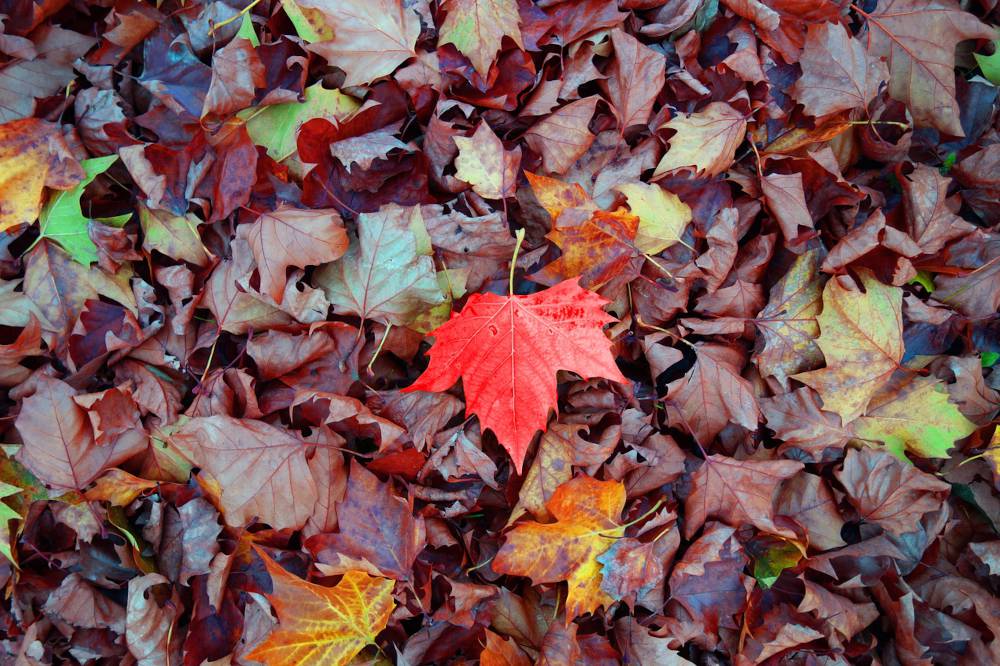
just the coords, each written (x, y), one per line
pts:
(7, 514)
(63, 221)
(306, 29)
(247, 32)
(990, 65)
(925, 280)
(275, 127)
(777, 557)
(990, 358)
(915, 417)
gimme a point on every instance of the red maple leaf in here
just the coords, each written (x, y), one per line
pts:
(507, 351)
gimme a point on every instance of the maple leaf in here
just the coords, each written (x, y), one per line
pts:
(322, 625)
(861, 337)
(476, 28)
(237, 72)
(918, 39)
(483, 163)
(737, 492)
(888, 491)
(507, 351)
(712, 393)
(915, 417)
(371, 38)
(276, 127)
(33, 155)
(587, 514)
(788, 322)
(930, 222)
(176, 236)
(663, 217)
(597, 246)
(706, 141)
(7, 514)
(635, 80)
(837, 73)
(388, 273)
(62, 221)
(292, 237)
(260, 470)
(59, 445)
(563, 137)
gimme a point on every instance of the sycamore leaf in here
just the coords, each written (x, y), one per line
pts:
(563, 137)
(712, 394)
(292, 237)
(837, 73)
(918, 39)
(322, 625)
(388, 272)
(276, 127)
(261, 470)
(176, 236)
(476, 28)
(500, 651)
(507, 350)
(483, 163)
(888, 491)
(861, 337)
(33, 156)
(7, 514)
(788, 321)
(237, 72)
(706, 141)
(915, 417)
(597, 247)
(62, 221)
(636, 78)
(59, 445)
(930, 220)
(371, 37)
(587, 513)
(737, 492)
(663, 217)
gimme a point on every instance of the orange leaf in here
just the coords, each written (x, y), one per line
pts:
(323, 625)
(587, 513)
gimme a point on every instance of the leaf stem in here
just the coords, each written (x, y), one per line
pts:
(519, 235)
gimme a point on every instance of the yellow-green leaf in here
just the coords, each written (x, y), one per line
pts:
(915, 417)
(663, 217)
(275, 127)
(861, 337)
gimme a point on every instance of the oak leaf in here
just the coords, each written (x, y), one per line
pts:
(322, 625)
(861, 337)
(706, 141)
(507, 351)
(476, 28)
(587, 514)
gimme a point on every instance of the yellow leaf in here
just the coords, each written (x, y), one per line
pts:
(483, 163)
(587, 512)
(662, 216)
(861, 337)
(706, 141)
(323, 625)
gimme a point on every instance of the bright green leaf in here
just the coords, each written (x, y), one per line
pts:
(7, 514)
(990, 358)
(777, 557)
(63, 221)
(991, 64)
(247, 31)
(276, 127)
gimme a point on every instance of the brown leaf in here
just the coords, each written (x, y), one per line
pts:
(562, 137)
(889, 492)
(737, 492)
(261, 471)
(634, 81)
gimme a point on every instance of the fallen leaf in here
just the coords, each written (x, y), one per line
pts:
(323, 625)
(534, 336)
(483, 163)
(706, 141)
(476, 28)
(861, 337)
(587, 514)
(561, 138)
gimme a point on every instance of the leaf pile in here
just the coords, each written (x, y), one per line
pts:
(499, 331)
